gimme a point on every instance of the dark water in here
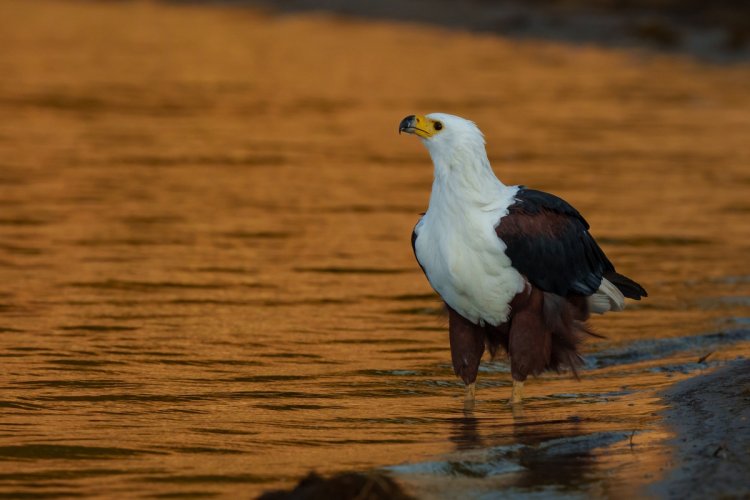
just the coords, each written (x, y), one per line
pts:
(208, 287)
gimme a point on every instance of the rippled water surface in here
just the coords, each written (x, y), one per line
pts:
(207, 282)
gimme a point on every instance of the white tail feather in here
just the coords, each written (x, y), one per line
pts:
(607, 298)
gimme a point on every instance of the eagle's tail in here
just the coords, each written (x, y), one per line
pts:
(612, 292)
(628, 287)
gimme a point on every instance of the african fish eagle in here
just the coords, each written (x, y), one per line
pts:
(516, 267)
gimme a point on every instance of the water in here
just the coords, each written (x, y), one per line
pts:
(208, 287)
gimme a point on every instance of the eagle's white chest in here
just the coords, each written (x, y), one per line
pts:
(465, 261)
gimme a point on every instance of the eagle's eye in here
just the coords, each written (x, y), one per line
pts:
(438, 126)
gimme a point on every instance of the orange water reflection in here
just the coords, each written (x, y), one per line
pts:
(204, 244)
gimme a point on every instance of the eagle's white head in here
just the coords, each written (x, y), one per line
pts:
(445, 135)
(456, 146)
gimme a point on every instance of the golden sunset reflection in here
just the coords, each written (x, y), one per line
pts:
(208, 285)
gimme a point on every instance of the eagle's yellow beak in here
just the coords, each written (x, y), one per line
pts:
(420, 126)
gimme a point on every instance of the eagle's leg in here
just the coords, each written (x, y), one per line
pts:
(530, 342)
(517, 394)
(470, 394)
(467, 347)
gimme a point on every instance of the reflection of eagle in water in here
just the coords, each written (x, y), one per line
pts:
(516, 267)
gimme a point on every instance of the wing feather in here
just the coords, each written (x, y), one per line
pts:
(547, 240)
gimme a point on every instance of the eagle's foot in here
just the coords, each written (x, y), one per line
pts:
(516, 396)
(469, 396)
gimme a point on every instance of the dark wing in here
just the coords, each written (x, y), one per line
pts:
(548, 241)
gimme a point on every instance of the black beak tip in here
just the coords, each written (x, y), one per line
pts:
(406, 123)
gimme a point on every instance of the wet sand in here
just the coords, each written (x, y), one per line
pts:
(710, 415)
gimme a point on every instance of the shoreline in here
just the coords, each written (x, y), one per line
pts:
(712, 33)
(710, 416)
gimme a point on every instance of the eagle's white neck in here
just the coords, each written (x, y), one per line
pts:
(464, 178)
(456, 243)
